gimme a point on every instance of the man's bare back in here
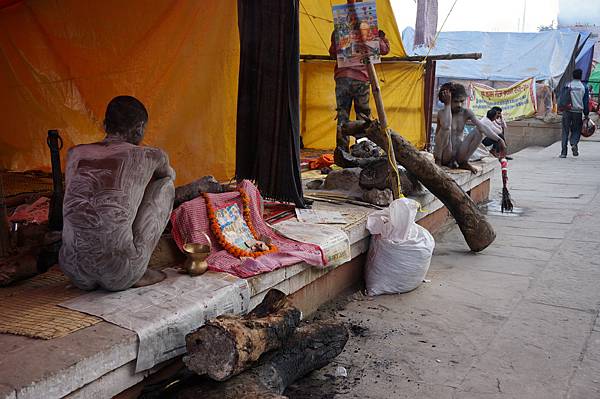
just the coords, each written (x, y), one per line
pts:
(118, 199)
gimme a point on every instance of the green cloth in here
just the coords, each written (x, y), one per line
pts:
(595, 79)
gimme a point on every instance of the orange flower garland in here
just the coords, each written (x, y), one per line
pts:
(216, 229)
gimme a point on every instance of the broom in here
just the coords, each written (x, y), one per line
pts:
(506, 204)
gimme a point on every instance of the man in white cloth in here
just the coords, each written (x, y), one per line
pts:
(117, 203)
(494, 121)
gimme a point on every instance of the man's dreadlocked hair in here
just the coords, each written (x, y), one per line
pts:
(456, 90)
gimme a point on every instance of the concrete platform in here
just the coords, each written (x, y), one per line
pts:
(99, 361)
(531, 132)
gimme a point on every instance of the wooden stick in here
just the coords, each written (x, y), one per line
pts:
(4, 227)
(383, 121)
(412, 58)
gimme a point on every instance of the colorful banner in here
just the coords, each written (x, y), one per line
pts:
(516, 101)
(356, 33)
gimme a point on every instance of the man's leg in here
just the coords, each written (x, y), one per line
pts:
(361, 92)
(566, 125)
(467, 148)
(443, 153)
(151, 219)
(343, 97)
(576, 125)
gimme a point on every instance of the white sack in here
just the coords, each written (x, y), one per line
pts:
(400, 251)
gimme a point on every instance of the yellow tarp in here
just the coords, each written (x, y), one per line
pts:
(401, 87)
(62, 61)
(402, 84)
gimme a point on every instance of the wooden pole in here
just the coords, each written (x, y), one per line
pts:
(4, 227)
(428, 100)
(376, 89)
(412, 58)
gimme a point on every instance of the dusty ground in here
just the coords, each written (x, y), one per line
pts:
(518, 320)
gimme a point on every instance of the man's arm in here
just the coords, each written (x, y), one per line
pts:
(483, 128)
(384, 44)
(502, 124)
(163, 168)
(445, 114)
(332, 49)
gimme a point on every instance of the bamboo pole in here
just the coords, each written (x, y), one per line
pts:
(393, 165)
(412, 58)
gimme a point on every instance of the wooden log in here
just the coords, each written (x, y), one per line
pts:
(228, 345)
(477, 231)
(311, 347)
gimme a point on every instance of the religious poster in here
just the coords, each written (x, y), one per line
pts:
(356, 34)
(516, 101)
(234, 227)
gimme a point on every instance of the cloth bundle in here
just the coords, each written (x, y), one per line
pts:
(190, 224)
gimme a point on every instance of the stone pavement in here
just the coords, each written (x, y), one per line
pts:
(518, 320)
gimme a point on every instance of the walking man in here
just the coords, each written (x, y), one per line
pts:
(572, 118)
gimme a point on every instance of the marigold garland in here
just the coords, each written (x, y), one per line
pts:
(222, 240)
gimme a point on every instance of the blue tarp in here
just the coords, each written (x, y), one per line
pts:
(506, 56)
(585, 57)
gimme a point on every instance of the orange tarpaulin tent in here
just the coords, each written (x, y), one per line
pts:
(62, 61)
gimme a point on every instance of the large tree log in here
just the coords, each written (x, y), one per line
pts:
(228, 345)
(477, 231)
(311, 347)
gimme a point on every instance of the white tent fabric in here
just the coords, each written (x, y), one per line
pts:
(506, 56)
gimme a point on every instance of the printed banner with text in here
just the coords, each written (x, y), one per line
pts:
(516, 101)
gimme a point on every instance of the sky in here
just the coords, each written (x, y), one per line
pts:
(492, 15)
(579, 12)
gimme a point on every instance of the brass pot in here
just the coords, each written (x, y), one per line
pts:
(195, 263)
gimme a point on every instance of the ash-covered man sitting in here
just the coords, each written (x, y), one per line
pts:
(117, 203)
(452, 147)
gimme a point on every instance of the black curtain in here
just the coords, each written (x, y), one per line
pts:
(268, 125)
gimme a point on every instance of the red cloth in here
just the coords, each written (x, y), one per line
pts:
(323, 161)
(36, 213)
(190, 223)
(593, 105)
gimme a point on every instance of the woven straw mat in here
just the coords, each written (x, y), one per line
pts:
(31, 308)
